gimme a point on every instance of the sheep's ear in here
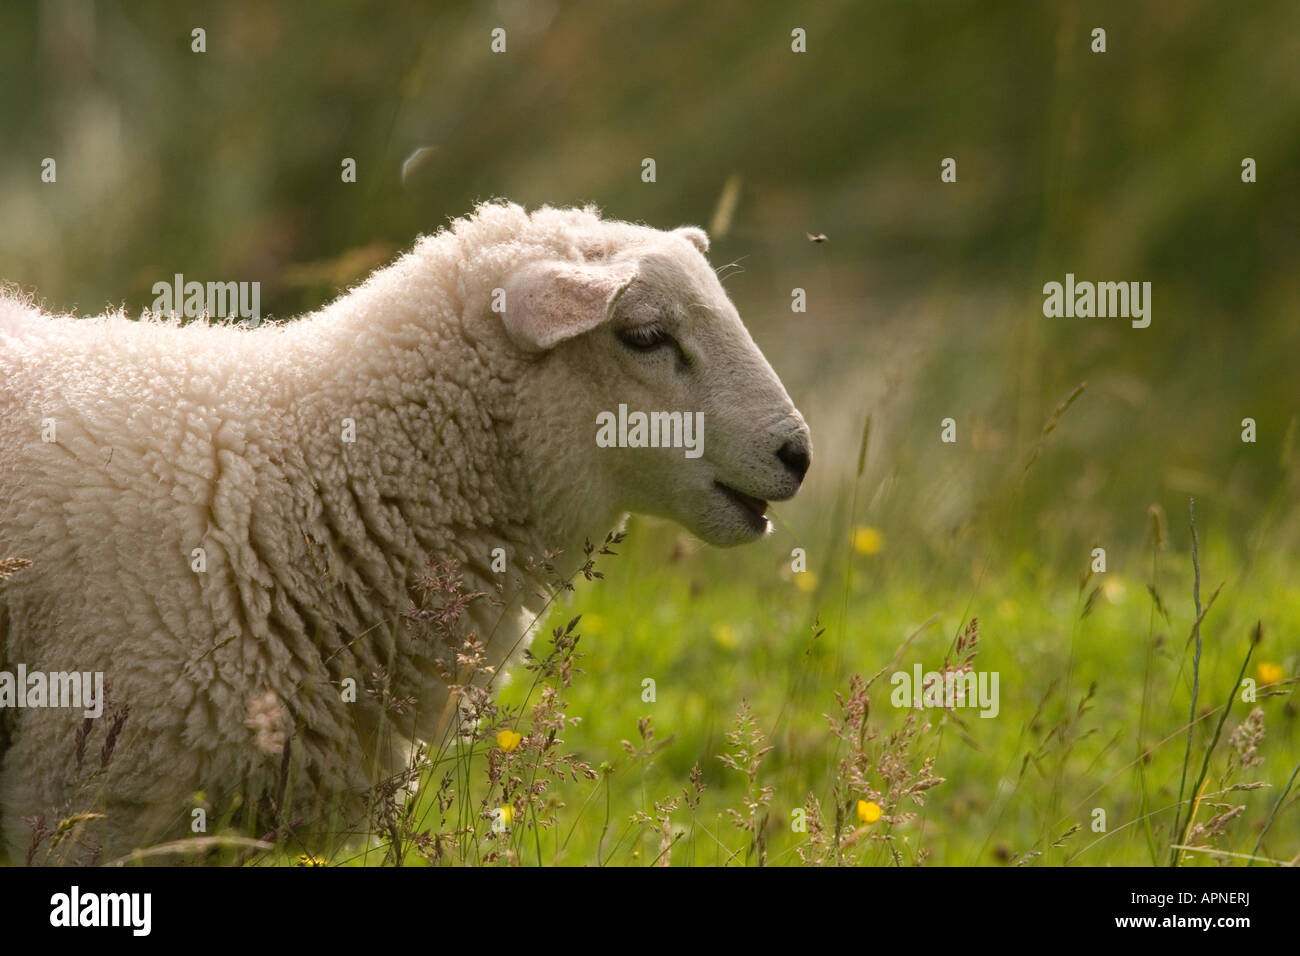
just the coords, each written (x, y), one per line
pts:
(696, 235)
(548, 302)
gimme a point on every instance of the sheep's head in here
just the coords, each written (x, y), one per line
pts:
(649, 387)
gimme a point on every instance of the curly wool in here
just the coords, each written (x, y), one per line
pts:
(170, 439)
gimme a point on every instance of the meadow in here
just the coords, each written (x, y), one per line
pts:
(771, 733)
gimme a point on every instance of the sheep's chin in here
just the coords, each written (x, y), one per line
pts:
(724, 522)
(723, 532)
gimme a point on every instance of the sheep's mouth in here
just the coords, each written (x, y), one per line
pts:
(754, 509)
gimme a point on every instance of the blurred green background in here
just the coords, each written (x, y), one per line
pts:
(924, 302)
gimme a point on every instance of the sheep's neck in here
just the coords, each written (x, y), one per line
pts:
(423, 426)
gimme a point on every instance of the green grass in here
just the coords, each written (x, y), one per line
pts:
(1095, 681)
(1083, 763)
(1092, 678)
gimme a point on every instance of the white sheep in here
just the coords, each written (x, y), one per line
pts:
(472, 371)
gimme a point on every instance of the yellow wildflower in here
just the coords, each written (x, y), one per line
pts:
(508, 740)
(868, 812)
(1270, 673)
(725, 634)
(867, 540)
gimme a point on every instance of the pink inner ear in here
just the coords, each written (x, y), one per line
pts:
(548, 302)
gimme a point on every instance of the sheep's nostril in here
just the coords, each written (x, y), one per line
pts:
(794, 455)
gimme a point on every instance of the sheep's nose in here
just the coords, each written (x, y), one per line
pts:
(794, 455)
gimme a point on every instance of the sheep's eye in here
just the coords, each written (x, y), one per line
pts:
(644, 338)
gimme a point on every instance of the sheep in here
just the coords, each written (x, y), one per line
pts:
(225, 522)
